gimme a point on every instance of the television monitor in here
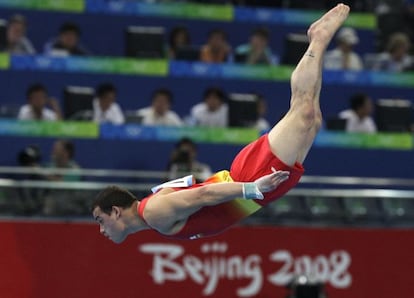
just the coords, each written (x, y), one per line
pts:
(295, 46)
(78, 102)
(335, 124)
(144, 42)
(242, 109)
(3, 35)
(189, 53)
(393, 115)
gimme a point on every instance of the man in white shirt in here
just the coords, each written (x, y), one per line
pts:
(358, 117)
(343, 57)
(105, 109)
(160, 113)
(17, 41)
(213, 112)
(36, 109)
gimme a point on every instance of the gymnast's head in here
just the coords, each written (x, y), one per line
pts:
(113, 209)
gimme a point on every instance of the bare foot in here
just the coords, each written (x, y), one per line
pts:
(324, 29)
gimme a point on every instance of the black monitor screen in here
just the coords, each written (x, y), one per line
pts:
(3, 37)
(189, 53)
(77, 101)
(144, 42)
(336, 124)
(242, 109)
(394, 115)
(295, 47)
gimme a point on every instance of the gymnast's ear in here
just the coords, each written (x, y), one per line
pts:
(116, 211)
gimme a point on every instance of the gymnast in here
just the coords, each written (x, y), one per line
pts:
(262, 171)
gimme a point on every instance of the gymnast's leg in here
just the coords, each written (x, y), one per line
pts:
(292, 137)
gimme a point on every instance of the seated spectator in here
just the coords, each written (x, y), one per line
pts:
(343, 56)
(179, 37)
(183, 162)
(216, 50)
(28, 200)
(67, 42)
(262, 124)
(63, 202)
(36, 108)
(359, 116)
(17, 42)
(213, 111)
(396, 58)
(160, 113)
(62, 157)
(257, 51)
(105, 109)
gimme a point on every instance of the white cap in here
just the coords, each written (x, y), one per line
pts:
(348, 35)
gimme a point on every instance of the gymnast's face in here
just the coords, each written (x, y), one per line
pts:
(111, 225)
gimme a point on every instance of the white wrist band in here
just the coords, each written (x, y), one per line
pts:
(250, 191)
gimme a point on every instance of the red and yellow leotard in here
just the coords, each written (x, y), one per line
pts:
(253, 162)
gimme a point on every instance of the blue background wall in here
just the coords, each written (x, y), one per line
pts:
(103, 35)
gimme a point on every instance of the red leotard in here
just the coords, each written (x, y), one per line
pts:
(253, 161)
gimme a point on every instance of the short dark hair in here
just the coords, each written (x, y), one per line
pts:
(175, 31)
(70, 27)
(358, 100)
(184, 141)
(104, 89)
(261, 31)
(215, 91)
(69, 147)
(35, 88)
(217, 31)
(17, 18)
(163, 91)
(113, 196)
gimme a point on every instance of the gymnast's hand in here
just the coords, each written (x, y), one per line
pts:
(255, 190)
(271, 181)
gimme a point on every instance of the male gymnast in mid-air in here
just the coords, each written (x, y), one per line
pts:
(262, 172)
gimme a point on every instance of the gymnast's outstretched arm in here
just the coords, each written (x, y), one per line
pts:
(181, 204)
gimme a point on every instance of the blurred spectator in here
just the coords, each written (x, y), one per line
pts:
(17, 42)
(63, 202)
(105, 109)
(179, 37)
(261, 124)
(29, 200)
(62, 157)
(396, 58)
(359, 116)
(257, 51)
(390, 19)
(160, 113)
(216, 50)
(36, 108)
(67, 42)
(183, 162)
(343, 56)
(213, 111)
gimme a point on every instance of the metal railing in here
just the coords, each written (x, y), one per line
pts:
(309, 189)
(363, 186)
